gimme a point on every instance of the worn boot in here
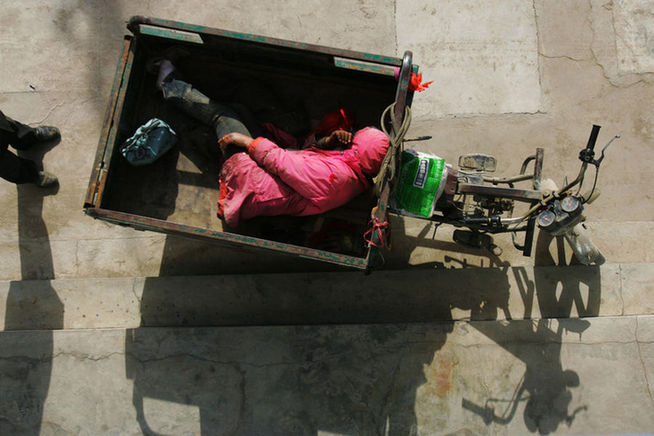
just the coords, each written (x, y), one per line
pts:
(39, 135)
(46, 134)
(163, 65)
(46, 179)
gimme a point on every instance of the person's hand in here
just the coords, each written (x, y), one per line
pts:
(339, 137)
(237, 139)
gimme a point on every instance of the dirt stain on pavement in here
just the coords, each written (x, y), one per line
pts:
(440, 374)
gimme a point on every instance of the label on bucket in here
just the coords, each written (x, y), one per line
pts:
(421, 183)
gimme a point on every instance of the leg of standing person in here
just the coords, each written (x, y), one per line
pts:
(22, 137)
(16, 169)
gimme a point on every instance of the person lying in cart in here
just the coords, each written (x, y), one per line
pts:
(262, 178)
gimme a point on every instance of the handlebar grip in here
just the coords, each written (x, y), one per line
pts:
(593, 137)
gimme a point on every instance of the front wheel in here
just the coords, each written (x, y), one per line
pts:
(585, 251)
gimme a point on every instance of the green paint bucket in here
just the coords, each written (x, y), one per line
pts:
(421, 183)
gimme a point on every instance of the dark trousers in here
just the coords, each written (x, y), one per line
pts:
(21, 137)
(222, 118)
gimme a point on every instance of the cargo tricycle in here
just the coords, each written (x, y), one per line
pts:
(177, 194)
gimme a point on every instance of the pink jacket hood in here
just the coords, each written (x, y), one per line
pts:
(370, 145)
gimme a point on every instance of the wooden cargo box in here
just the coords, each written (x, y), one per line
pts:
(178, 193)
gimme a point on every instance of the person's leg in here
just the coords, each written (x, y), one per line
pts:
(21, 136)
(221, 117)
(17, 169)
(271, 108)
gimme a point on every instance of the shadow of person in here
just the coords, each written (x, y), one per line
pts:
(32, 304)
(287, 380)
(546, 385)
(545, 389)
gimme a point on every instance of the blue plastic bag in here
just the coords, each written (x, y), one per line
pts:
(151, 141)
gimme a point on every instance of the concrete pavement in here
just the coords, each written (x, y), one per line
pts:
(481, 377)
(108, 330)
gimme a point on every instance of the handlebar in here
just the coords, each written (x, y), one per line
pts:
(593, 137)
(587, 154)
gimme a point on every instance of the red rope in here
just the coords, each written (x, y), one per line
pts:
(376, 226)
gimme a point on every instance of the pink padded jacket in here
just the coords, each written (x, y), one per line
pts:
(270, 180)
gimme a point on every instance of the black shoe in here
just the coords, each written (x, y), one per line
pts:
(39, 135)
(167, 72)
(46, 134)
(173, 54)
(46, 179)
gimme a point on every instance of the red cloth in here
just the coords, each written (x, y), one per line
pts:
(279, 136)
(414, 81)
(339, 119)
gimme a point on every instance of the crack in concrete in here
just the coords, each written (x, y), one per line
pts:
(215, 361)
(78, 356)
(386, 403)
(621, 288)
(243, 402)
(119, 238)
(28, 92)
(47, 115)
(77, 263)
(487, 115)
(596, 61)
(564, 57)
(397, 45)
(538, 50)
(593, 55)
(642, 362)
(136, 296)
(592, 44)
(254, 365)
(538, 39)
(540, 343)
(84, 356)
